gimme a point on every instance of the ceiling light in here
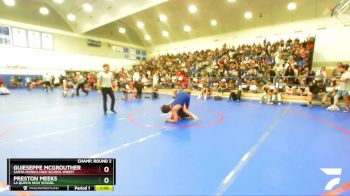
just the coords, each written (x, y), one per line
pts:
(163, 18)
(44, 11)
(58, 1)
(10, 2)
(147, 37)
(187, 28)
(122, 30)
(71, 17)
(87, 7)
(292, 6)
(248, 15)
(231, 1)
(165, 33)
(192, 9)
(213, 22)
(140, 24)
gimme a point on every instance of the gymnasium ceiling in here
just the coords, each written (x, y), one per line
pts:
(108, 16)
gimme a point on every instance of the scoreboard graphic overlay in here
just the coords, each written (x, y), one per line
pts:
(85, 174)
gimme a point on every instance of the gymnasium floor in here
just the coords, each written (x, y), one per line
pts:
(234, 148)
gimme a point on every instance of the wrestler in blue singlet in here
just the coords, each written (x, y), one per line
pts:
(181, 99)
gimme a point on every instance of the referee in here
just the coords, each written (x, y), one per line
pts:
(104, 85)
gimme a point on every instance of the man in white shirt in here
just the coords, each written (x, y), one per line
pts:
(136, 76)
(104, 86)
(155, 80)
(47, 82)
(343, 88)
(81, 84)
(29, 82)
(321, 74)
(345, 85)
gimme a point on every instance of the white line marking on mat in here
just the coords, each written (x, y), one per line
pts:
(143, 139)
(224, 185)
(47, 134)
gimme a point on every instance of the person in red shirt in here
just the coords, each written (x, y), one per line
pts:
(1, 81)
(310, 43)
(178, 74)
(91, 81)
(185, 82)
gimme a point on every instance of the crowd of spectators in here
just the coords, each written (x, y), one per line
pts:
(273, 69)
(291, 58)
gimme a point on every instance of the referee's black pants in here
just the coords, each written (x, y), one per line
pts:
(110, 92)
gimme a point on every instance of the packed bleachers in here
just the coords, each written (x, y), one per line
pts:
(245, 60)
(290, 58)
(269, 71)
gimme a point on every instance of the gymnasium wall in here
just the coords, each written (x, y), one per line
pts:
(23, 61)
(70, 52)
(333, 45)
(332, 39)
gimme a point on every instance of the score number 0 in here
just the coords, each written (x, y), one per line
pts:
(106, 179)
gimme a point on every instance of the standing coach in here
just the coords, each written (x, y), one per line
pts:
(104, 85)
